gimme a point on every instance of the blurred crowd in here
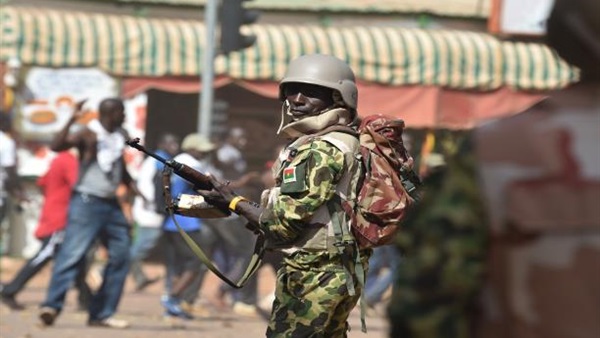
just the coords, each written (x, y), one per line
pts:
(505, 242)
(148, 230)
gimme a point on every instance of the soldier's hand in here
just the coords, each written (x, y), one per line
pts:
(221, 194)
(223, 188)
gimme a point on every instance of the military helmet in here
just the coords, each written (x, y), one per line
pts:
(322, 70)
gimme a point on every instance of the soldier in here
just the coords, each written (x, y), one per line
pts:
(530, 267)
(316, 286)
(444, 244)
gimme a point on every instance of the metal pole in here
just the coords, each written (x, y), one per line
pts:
(206, 94)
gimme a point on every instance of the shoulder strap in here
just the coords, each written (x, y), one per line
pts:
(349, 252)
(343, 141)
(346, 140)
(338, 128)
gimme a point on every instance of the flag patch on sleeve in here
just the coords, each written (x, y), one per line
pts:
(289, 174)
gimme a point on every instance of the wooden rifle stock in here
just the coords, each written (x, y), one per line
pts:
(198, 179)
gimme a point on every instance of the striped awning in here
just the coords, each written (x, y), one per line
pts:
(463, 8)
(130, 46)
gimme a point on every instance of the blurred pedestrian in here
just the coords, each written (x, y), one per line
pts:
(233, 240)
(56, 186)
(94, 214)
(10, 183)
(188, 272)
(230, 154)
(516, 253)
(149, 212)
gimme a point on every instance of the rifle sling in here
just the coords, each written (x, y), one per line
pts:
(259, 246)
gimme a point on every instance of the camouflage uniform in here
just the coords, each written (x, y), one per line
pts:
(312, 298)
(444, 241)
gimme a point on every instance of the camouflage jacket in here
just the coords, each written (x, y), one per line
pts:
(444, 242)
(309, 174)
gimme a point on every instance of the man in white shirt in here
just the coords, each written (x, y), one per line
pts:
(9, 180)
(230, 155)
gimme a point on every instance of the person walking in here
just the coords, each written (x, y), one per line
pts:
(147, 213)
(313, 296)
(56, 186)
(234, 244)
(10, 183)
(187, 272)
(94, 214)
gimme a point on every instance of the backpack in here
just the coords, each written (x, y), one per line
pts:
(383, 185)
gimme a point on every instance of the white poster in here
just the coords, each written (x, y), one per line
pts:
(53, 94)
(525, 16)
(135, 123)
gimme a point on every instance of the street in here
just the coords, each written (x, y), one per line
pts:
(144, 312)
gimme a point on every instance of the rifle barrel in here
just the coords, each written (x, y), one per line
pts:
(135, 143)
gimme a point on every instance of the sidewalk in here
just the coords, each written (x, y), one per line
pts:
(144, 312)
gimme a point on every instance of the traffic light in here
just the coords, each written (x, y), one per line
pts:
(219, 119)
(233, 15)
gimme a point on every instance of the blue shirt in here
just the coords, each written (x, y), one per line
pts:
(163, 154)
(180, 186)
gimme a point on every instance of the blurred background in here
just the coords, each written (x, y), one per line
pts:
(442, 66)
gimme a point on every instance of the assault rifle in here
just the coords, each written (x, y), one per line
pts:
(187, 205)
(195, 206)
(198, 179)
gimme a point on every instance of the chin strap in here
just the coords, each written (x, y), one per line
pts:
(285, 109)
